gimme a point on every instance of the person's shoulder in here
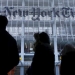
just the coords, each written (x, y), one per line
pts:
(47, 47)
(44, 47)
(69, 55)
(10, 37)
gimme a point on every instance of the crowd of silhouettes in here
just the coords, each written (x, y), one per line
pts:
(43, 62)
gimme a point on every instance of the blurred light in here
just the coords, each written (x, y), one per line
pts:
(50, 43)
(60, 57)
(20, 58)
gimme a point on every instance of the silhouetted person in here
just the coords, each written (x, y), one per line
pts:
(36, 37)
(9, 56)
(28, 71)
(67, 48)
(43, 60)
(67, 66)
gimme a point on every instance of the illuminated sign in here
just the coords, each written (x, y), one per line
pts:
(65, 12)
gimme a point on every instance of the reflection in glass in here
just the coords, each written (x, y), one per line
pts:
(25, 48)
(28, 47)
(61, 44)
(19, 45)
(31, 47)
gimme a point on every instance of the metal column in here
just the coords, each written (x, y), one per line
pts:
(55, 35)
(55, 48)
(55, 41)
(22, 56)
(22, 42)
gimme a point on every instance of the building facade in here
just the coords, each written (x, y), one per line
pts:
(26, 17)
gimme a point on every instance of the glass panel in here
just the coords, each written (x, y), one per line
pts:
(62, 41)
(28, 46)
(19, 44)
(3, 3)
(14, 3)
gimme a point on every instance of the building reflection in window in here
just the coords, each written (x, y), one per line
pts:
(28, 47)
(19, 45)
(31, 47)
(25, 48)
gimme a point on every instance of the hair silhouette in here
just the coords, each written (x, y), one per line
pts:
(44, 38)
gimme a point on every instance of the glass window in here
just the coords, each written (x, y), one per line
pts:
(19, 44)
(28, 47)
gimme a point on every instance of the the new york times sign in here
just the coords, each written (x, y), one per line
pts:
(66, 12)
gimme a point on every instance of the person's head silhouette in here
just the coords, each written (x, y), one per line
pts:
(3, 22)
(44, 38)
(68, 48)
